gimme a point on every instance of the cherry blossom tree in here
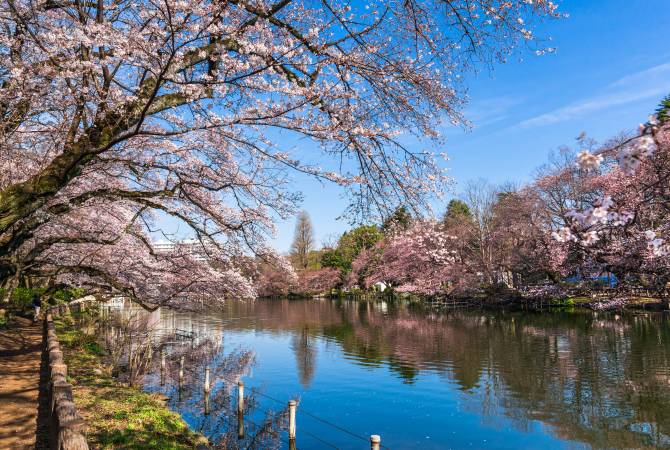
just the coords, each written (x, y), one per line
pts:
(625, 229)
(275, 280)
(420, 260)
(131, 110)
(318, 281)
(522, 248)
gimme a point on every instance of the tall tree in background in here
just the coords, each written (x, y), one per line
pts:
(480, 197)
(457, 213)
(400, 220)
(303, 240)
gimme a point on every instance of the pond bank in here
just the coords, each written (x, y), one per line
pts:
(599, 300)
(118, 416)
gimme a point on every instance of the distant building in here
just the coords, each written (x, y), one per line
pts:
(190, 246)
(380, 286)
(164, 246)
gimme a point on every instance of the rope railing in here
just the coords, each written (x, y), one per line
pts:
(317, 418)
(373, 439)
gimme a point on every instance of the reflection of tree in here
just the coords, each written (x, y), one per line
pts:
(602, 380)
(215, 414)
(305, 356)
(219, 420)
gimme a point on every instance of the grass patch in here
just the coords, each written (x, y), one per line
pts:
(571, 301)
(118, 416)
(644, 300)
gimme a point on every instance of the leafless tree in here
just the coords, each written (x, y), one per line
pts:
(303, 239)
(480, 196)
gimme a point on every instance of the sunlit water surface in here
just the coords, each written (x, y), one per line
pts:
(459, 379)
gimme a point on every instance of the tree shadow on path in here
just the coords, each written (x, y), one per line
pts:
(20, 358)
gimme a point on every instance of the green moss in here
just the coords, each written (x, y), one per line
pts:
(570, 301)
(643, 301)
(118, 416)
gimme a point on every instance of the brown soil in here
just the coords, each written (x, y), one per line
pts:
(20, 358)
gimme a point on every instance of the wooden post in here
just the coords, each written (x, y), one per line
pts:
(240, 409)
(162, 367)
(207, 379)
(291, 419)
(240, 424)
(375, 442)
(240, 396)
(181, 373)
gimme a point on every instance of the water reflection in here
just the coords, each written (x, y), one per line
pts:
(305, 355)
(601, 380)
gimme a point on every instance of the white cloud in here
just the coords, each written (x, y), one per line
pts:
(642, 85)
(659, 72)
(488, 111)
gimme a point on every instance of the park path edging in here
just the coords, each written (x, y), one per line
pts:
(66, 426)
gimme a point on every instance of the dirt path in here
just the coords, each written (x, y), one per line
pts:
(20, 357)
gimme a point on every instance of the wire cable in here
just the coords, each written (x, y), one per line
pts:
(312, 415)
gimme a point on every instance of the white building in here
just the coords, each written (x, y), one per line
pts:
(164, 246)
(190, 246)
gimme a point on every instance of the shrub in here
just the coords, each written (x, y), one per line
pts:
(22, 298)
(67, 295)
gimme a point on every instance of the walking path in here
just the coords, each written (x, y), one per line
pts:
(20, 358)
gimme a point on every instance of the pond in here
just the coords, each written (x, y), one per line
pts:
(457, 379)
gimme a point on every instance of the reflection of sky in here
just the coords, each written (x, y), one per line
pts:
(366, 399)
(374, 400)
(464, 379)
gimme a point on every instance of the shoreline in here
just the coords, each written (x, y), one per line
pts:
(116, 414)
(510, 300)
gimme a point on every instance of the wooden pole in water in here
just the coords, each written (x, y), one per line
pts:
(181, 373)
(375, 442)
(240, 424)
(162, 367)
(240, 409)
(207, 379)
(291, 419)
(240, 396)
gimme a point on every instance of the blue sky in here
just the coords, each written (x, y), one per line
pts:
(609, 72)
(611, 68)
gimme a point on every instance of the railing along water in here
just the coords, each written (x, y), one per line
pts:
(66, 426)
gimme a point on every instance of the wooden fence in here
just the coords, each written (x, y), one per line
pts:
(66, 426)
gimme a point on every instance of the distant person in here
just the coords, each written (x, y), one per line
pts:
(37, 303)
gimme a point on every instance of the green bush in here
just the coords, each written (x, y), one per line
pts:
(22, 298)
(565, 301)
(67, 295)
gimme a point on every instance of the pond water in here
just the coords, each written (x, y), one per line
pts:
(459, 379)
